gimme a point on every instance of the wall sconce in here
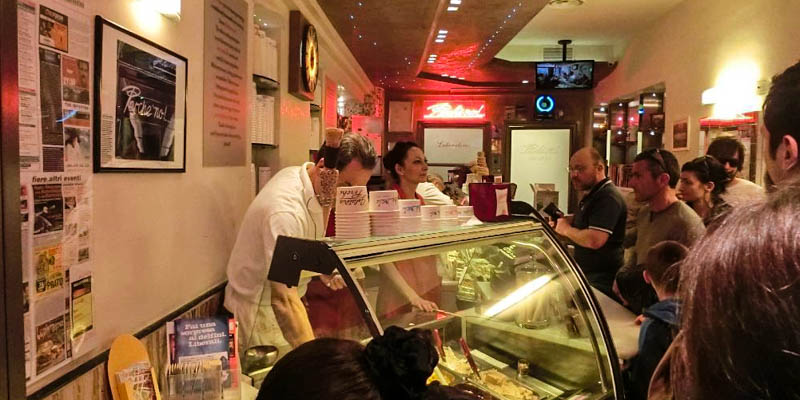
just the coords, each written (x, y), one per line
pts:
(170, 9)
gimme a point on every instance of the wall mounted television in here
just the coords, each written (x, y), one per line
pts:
(565, 75)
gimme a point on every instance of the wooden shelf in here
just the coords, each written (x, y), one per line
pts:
(264, 83)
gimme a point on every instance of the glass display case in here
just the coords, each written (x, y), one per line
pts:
(513, 317)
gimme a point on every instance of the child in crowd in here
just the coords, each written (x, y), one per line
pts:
(662, 272)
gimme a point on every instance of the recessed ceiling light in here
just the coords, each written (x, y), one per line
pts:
(431, 61)
(441, 36)
(525, 81)
(352, 16)
(451, 8)
(456, 2)
(442, 32)
(565, 3)
(439, 40)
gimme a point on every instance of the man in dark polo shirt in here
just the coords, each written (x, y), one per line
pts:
(598, 228)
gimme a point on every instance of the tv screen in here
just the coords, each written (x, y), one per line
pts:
(565, 75)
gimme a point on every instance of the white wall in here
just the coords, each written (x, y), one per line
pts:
(696, 45)
(161, 240)
(336, 61)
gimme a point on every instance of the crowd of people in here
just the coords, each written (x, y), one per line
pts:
(712, 267)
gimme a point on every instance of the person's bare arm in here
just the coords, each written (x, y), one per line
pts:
(408, 292)
(589, 238)
(290, 314)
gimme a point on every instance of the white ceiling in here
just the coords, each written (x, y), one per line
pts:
(600, 23)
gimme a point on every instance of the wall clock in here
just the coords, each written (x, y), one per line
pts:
(303, 58)
(310, 58)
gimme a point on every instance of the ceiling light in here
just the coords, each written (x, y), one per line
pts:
(451, 8)
(525, 81)
(439, 40)
(352, 17)
(442, 32)
(445, 75)
(562, 4)
(602, 109)
(455, 2)
(441, 36)
(431, 61)
(461, 77)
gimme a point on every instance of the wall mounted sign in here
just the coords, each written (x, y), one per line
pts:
(225, 130)
(304, 59)
(460, 110)
(140, 112)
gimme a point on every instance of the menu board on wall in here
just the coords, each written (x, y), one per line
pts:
(55, 80)
(540, 156)
(453, 145)
(225, 83)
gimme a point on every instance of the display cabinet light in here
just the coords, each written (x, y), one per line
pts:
(168, 8)
(518, 295)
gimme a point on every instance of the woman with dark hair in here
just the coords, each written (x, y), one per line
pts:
(413, 282)
(740, 288)
(394, 366)
(702, 182)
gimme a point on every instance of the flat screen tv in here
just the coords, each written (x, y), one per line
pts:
(565, 75)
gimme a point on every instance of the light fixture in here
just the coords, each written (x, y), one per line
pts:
(439, 40)
(525, 81)
(445, 75)
(455, 2)
(451, 8)
(602, 109)
(170, 9)
(442, 32)
(518, 295)
(565, 4)
(441, 36)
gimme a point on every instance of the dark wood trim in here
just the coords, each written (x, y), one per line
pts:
(574, 145)
(12, 342)
(90, 364)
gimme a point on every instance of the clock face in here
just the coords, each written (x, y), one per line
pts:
(310, 58)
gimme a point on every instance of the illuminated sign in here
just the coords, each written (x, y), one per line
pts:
(545, 104)
(454, 110)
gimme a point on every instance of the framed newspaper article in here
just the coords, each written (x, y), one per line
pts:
(140, 103)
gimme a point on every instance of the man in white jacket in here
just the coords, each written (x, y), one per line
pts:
(270, 312)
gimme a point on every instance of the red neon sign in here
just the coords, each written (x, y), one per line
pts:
(454, 110)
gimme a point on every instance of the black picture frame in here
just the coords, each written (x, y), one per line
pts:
(139, 122)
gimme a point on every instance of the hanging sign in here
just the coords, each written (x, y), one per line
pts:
(472, 109)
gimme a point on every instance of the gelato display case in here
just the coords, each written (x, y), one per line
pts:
(510, 313)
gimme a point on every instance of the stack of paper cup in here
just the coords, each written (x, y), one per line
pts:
(464, 214)
(352, 213)
(430, 218)
(383, 209)
(449, 216)
(410, 216)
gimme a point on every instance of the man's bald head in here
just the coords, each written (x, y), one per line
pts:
(586, 168)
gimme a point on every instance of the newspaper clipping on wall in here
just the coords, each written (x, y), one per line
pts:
(55, 108)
